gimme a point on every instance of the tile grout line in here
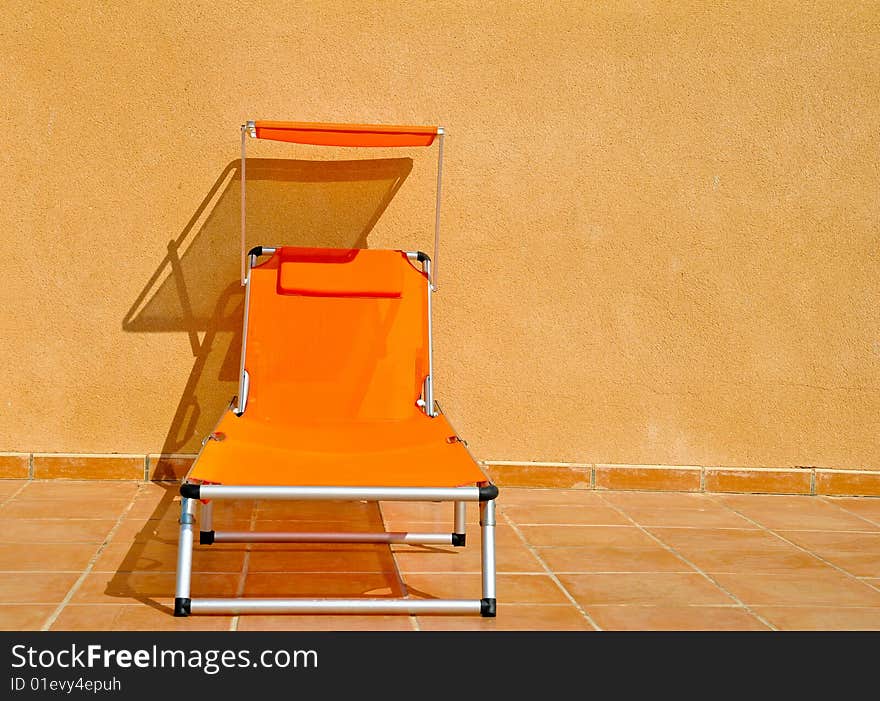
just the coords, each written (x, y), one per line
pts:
(699, 571)
(549, 571)
(88, 568)
(245, 567)
(14, 494)
(806, 550)
(824, 499)
(413, 620)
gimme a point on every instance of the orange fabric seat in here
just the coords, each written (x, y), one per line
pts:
(414, 452)
(337, 354)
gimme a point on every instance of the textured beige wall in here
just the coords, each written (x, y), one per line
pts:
(661, 219)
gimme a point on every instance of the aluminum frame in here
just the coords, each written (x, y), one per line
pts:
(485, 494)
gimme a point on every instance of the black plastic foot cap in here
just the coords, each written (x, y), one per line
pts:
(458, 539)
(182, 606)
(488, 493)
(190, 491)
(206, 537)
(487, 608)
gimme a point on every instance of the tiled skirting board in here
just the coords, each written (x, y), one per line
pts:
(678, 478)
(93, 466)
(683, 478)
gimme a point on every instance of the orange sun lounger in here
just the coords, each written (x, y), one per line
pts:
(335, 400)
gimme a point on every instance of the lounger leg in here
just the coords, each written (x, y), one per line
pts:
(487, 529)
(206, 523)
(458, 530)
(182, 598)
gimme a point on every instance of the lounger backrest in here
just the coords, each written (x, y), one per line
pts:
(336, 334)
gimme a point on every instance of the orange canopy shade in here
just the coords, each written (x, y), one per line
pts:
(337, 353)
(345, 134)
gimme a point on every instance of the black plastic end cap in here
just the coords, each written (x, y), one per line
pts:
(190, 491)
(458, 539)
(487, 608)
(182, 607)
(422, 257)
(206, 537)
(488, 493)
(256, 251)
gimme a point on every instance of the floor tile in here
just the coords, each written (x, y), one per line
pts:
(805, 588)
(54, 529)
(510, 557)
(132, 617)
(153, 556)
(35, 587)
(503, 533)
(864, 507)
(131, 587)
(562, 514)
(512, 588)
(321, 557)
(24, 616)
(821, 617)
(689, 518)
(441, 513)
(323, 584)
(34, 530)
(795, 513)
(328, 511)
(45, 557)
(656, 589)
(674, 618)
(713, 550)
(519, 496)
(10, 487)
(681, 511)
(857, 553)
(60, 509)
(659, 500)
(80, 490)
(513, 617)
(622, 536)
(325, 622)
(610, 558)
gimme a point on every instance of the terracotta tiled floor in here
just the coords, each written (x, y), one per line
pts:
(101, 555)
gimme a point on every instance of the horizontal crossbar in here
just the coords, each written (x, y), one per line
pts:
(366, 606)
(217, 491)
(291, 537)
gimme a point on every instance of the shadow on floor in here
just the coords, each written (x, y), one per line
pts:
(145, 572)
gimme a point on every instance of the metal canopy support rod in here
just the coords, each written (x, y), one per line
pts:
(242, 173)
(430, 409)
(243, 378)
(433, 276)
(247, 129)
